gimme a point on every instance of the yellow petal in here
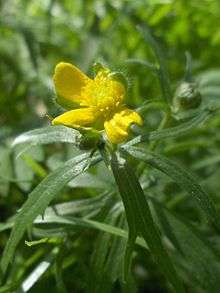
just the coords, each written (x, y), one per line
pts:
(76, 118)
(114, 134)
(69, 81)
(117, 129)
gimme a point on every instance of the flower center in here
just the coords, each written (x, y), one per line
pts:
(105, 94)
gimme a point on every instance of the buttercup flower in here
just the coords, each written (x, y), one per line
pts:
(99, 102)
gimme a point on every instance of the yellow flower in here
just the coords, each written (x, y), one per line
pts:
(99, 101)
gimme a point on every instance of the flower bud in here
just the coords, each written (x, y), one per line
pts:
(187, 96)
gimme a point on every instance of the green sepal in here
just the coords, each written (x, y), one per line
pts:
(97, 66)
(90, 138)
(118, 76)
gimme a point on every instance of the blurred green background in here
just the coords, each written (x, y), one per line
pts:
(37, 34)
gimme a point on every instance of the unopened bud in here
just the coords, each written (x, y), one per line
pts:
(187, 96)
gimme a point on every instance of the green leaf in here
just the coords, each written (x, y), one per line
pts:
(107, 256)
(38, 271)
(162, 71)
(210, 77)
(58, 270)
(31, 43)
(129, 201)
(83, 207)
(188, 69)
(115, 256)
(88, 180)
(40, 198)
(6, 226)
(168, 229)
(23, 171)
(209, 161)
(140, 219)
(182, 177)
(142, 63)
(192, 246)
(5, 170)
(34, 166)
(87, 224)
(47, 135)
(172, 132)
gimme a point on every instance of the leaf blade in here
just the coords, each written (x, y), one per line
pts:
(39, 199)
(172, 132)
(46, 135)
(162, 72)
(192, 246)
(130, 189)
(182, 177)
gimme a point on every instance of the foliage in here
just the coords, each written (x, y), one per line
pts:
(143, 215)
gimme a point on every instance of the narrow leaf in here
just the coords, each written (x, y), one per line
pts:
(140, 216)
(182, 177)
(107, 256)
(172, 132)
(47, 135)
(86, 223)
(145, 63)
(188, 69)
(192, 246)
(162, 71)
(40, 198)
(38, 271)
(129, 202)
(5, 170)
